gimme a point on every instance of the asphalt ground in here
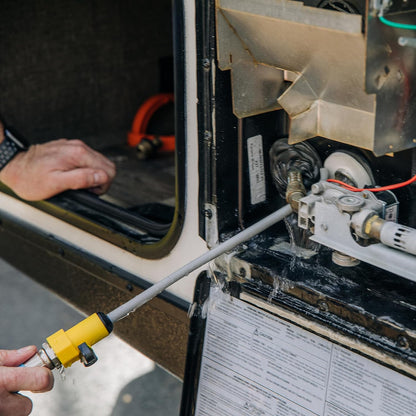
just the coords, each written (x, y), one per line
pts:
(123, 382)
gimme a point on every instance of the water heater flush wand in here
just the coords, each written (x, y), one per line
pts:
(63, 348)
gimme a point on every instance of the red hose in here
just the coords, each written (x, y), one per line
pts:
(142, 118)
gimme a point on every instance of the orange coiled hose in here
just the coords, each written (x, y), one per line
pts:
(142, 118)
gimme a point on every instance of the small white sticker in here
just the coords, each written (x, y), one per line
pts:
(256, 169)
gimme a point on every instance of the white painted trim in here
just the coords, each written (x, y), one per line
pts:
(189, 245)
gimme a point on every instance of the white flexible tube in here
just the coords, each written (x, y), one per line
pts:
(144, 297)
(399, 237)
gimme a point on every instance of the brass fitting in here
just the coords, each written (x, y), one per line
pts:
(373, 226)
(295, 190)
(147, 148)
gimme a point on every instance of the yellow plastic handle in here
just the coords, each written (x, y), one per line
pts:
(65, 343)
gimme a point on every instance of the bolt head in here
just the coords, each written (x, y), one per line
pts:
(402, 342)
(350, 203)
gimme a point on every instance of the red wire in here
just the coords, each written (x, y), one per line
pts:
(382, 188)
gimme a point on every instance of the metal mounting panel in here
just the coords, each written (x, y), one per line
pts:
(333, 79)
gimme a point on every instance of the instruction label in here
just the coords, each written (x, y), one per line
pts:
(255, 364)
(256, 169)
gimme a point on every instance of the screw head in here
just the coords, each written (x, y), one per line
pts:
(323, 306)
(402, 342)
(207, 135)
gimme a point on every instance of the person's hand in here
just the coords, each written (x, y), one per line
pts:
(13, 379)
(45, 170)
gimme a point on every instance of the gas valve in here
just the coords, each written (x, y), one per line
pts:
(353, 224)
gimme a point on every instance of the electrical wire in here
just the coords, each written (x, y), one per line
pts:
(395, 24)
(381, 188)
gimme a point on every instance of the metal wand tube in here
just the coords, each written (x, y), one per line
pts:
(144, 297)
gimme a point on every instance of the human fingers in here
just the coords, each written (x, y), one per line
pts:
(37, 379)
(82, 178)
(85, 156)
(99, 190)
(12, 358)
(14, 404)
(64, 154)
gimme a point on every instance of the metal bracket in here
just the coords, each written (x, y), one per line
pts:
(233, 266)
(211, 225)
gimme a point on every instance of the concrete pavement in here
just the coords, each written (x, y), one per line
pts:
(122, 383)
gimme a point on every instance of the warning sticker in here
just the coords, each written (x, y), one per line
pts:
(254, 363)
(256, 169)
